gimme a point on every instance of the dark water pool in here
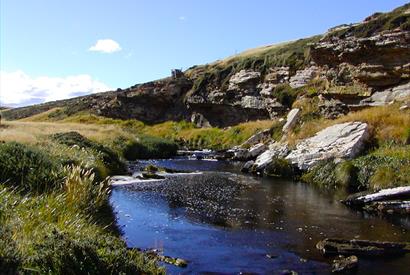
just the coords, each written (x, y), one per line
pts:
(276, 217)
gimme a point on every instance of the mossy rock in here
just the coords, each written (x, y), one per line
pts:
(280, 168)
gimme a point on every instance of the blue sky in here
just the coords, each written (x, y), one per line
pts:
(50, 43)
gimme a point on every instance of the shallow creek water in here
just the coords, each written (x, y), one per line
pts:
(269, 216)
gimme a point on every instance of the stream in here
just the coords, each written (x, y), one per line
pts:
(224, 222)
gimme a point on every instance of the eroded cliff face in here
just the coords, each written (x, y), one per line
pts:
(349, 67)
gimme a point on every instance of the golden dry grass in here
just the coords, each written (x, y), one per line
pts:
(387, 123)
(33, 132)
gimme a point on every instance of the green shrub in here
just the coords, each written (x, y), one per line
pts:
(28, 168)
(331, 175)
(285, 94)
(149, 147)
(109, 158)
(346, 176)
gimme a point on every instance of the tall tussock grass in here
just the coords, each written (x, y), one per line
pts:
(64, 226)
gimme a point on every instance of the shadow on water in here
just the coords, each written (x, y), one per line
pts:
(225, 222)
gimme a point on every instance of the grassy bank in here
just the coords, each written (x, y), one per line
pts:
(56, 218)
(108, 130)
(385, 162)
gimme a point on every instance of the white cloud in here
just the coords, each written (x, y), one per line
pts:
(182, 18)
(105, 46)
(19, 89)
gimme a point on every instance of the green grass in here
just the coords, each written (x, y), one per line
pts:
(384, 167)
(384, 21)
(182, 132)
(28, 168)
(66, 228)
(294, 54)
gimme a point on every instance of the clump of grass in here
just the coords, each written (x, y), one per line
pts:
(28, 168)
(109, 158)
(387, 123)
(384, 167)
(67, 230)
(146, 147)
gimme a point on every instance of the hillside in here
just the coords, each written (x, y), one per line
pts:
(348, 63)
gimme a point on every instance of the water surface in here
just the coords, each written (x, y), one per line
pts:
(233, 235)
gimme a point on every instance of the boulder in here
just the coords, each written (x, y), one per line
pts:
(361, 199)
(342, 141)
(245, 154)
(362, 248)
(276, 149)
(257, 149)
(247, 166)
(291, 120)
(257, 138)
(253, 102)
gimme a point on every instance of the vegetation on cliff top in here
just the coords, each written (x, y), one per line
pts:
(378, 22)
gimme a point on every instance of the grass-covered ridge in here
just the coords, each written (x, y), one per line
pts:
(378, 22)
(294, 55)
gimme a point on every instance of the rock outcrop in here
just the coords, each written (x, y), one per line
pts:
(350, 61)
(378, 61)
(344, 141)
(399, 93)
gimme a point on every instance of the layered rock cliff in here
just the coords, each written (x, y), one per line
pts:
(349, 67)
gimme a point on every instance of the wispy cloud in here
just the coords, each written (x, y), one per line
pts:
(19, 89)
(182, 18)
(105, 46)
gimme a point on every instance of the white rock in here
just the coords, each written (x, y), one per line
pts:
(389, 96)
(257, 138)
(338, 141)
(302, 77)
(244, 76)
(291, 120)
(252, 102)
(247, 154)
(257, 149)
(279, 150)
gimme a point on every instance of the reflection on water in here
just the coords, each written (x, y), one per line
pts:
(269, 216)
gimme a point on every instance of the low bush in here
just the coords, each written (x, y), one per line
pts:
(28, 168)
(332, 175)
(385, 167)
(66, 231)
(109, 158)
(148, 147)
